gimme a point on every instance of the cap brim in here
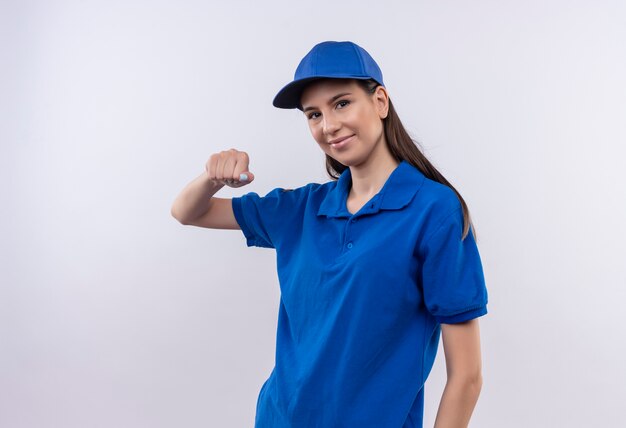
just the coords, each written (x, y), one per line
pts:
(289, 96)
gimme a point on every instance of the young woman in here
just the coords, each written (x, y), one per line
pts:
(373, 265)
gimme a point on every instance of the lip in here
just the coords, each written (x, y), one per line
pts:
(340, 142)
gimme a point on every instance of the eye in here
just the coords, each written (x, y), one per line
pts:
(342, 102)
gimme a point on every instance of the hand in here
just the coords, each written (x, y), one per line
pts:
(230, 168)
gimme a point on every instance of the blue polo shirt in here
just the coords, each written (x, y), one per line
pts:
(362, 297)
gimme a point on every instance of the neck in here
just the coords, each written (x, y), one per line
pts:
(369, 177)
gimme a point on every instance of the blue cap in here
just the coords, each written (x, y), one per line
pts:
(331, 59)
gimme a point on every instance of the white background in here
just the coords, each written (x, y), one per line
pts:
(112, 314)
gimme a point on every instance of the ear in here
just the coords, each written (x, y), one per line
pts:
(381, 101)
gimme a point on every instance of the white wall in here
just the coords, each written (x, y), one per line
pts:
(112, 314)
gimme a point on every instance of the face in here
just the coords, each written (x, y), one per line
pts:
(338, 108)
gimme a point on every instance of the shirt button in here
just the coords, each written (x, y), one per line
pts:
(353, 220)
(349, 244)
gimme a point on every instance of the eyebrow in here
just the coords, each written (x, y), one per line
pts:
(329, 101)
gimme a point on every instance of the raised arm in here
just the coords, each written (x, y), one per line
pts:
(196, 206)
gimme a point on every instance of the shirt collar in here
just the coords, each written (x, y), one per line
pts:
(399, 189)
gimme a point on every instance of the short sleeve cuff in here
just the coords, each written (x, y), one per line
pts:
(463, 316)
(238, 212)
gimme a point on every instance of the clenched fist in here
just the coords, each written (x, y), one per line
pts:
(230, 168)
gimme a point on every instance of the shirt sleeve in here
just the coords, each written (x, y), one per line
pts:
(265, 220)
(452, 275)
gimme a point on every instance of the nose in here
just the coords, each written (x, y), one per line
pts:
(330, 125)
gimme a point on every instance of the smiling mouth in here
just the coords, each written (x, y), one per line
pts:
(342, 142)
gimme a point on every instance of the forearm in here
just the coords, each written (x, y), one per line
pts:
(193, 201)
(457, 403)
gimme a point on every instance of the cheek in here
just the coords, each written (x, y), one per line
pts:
(375, 128)
(316, 133)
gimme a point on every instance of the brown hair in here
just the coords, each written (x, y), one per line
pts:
(403, 147)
